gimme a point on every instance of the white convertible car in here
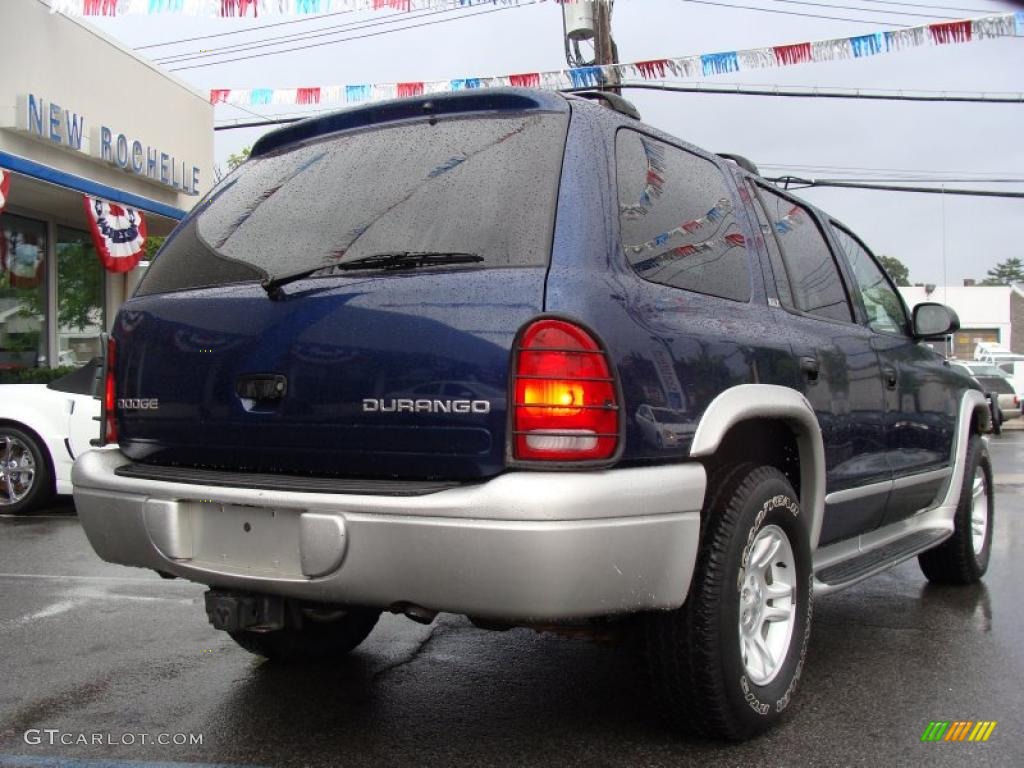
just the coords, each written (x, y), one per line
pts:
(43, 428)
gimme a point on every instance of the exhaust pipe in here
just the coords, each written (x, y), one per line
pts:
(417, 613)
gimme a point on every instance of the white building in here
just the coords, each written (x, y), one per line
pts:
(987, 313)
(82, 114)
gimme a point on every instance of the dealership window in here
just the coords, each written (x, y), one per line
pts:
(23, 333)
(80, 291)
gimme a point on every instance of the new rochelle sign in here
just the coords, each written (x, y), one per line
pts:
(58, 125)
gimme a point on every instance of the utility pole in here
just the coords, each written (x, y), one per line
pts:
(588, 25)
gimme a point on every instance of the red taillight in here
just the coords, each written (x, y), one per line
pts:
(109, 425)
(566, 407)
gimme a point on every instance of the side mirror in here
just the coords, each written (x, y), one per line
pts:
(932, 319)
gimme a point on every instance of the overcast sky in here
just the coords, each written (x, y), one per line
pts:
(969, 234)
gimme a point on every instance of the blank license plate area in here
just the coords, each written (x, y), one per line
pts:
(245, 540)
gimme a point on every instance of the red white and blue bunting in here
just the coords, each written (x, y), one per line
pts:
(21, 254)
(118, 232)
(673, 255)
(682, 67)
(258, 8)
(5, 188)
(688, 227)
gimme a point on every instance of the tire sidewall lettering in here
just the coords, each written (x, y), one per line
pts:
(783, 702)
(775, 502)
(752, 694)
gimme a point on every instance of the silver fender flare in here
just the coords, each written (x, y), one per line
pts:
(746, 402)
(971, 402)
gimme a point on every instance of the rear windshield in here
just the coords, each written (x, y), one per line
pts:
(480, 185)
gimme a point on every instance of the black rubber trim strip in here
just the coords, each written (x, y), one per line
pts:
(272, 482)
(908, 546)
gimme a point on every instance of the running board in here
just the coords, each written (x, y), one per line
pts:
(868, 563)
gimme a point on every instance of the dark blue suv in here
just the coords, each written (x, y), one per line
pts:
(519, 356)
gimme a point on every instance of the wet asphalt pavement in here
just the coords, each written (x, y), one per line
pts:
(90, 648)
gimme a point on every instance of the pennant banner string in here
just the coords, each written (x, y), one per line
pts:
(688, 67)
(256, 8)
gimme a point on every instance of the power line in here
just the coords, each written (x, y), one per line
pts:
(248, 111)
(259, 124)
(867, 10)
(259, 27)
(739, 90)
(253, 28)
(863, 169)
(734, 91)
(984, 11)
(786, 181)
(795, 13)
(931, 180)
(354, 37)
(773, 89)
(177, 58)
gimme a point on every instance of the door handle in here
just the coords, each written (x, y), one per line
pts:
(890, 377)
(809, 366)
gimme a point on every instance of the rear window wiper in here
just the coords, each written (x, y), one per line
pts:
(388, 261)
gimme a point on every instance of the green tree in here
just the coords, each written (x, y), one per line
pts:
(1005, 273)
(79, 285)
(897, 270)
(235, 160)
(153, 243)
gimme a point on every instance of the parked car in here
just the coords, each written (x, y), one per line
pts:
(662, 426)
(1007, 361)
(997, 386)
(585, 265)
(43, 428)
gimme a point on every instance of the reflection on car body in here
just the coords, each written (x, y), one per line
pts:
(663, 427)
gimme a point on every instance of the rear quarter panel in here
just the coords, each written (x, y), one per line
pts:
(671, 348)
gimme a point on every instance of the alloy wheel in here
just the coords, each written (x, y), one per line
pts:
(17, 470)
(767, 604)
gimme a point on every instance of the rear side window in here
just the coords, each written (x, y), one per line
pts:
(676, 219)
(487, 186)
(814, 281)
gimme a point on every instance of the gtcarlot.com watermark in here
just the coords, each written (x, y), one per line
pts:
(55, 737)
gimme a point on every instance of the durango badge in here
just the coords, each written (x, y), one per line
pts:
(138, 404)
(374, 405)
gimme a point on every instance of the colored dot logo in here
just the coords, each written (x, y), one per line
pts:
(959, 730)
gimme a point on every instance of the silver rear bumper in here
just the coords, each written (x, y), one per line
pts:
(1009, 404)
(524, 545)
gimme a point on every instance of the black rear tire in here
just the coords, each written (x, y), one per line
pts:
(702, 682)
(997, 417)
(314, 640)
(961, 559)
(23, 449)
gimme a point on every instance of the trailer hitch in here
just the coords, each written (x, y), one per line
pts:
(238, 611)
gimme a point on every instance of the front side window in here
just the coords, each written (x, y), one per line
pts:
(881, 302)
(817, 287)
(80, 305)
(677, 223)
(22, 292)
